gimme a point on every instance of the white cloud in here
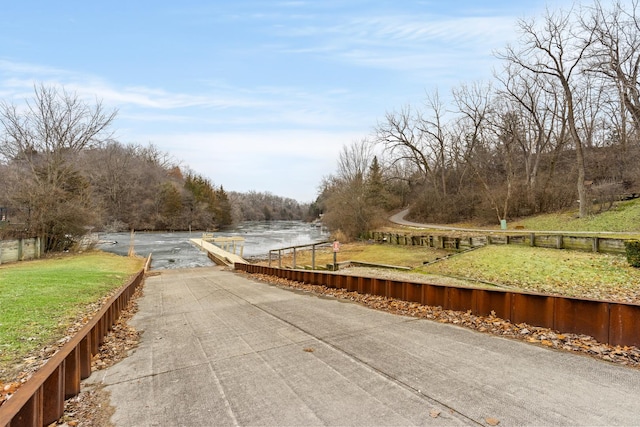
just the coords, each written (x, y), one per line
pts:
(290, 163)
(273, 90)
(96, 87)
(412, 44)
(13, 67)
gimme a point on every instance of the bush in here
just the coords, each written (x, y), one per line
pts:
(632, 248)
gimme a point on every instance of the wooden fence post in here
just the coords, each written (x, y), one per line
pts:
(313, 257)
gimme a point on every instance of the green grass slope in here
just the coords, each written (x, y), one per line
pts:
(623, 218)
(40, 299)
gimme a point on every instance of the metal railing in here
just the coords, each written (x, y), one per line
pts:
(40, 400)
(294, 249)
(614, 323)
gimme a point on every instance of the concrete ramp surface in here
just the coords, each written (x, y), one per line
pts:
(219, 349)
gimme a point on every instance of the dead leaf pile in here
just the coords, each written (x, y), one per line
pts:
(91, 407)
(623, 355)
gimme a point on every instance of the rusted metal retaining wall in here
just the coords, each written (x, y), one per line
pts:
(608, 322)
(40, 400)
(555, 241)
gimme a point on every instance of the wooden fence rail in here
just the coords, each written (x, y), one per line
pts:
(40, 400)
(608, 322)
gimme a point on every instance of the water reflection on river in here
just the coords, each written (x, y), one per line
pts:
(174, 250)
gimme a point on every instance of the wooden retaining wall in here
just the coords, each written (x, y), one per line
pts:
(555, 241)
(20, 250)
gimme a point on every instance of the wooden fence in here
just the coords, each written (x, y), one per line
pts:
(541, 240)
(20, 250)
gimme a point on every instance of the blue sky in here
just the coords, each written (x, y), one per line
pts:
(255, 95)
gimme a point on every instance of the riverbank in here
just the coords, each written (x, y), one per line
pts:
(173, 250)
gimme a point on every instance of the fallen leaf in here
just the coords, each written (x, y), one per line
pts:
(492, 421)
(434, 413)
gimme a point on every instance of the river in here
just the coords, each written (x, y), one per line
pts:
(174, 250)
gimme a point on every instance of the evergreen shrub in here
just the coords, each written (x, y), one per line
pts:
(632, 248)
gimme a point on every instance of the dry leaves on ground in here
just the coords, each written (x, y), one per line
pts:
(492, 421)
(91, 406)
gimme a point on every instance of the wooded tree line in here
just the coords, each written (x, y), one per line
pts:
(264, 206)
(63, 175)
(557, 127)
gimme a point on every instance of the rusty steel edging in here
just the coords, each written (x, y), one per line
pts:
(40, 400)
(614, 323)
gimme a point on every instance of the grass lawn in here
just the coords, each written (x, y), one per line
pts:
(623, 217)
(403, 256)
(552, 271)
(40, 299)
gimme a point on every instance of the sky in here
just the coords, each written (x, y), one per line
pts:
(256, 95)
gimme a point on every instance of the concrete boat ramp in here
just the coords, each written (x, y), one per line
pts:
(220, 349)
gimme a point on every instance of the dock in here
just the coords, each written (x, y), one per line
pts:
(217, 254)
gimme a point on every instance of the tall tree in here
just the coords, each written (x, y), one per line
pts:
(376, 193)
(223, 209)
(433, 126)
(44, 139)
(554, 49)
(533, 101)
(345, 195)
(402, 134)
(616, 54)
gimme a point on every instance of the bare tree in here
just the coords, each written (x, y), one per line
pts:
(591, 97)
(354, 160)
(616, 54)
(531, 99)
(433, 124)
(346, 196)
(487, 133)
(53, 126)
(43, 141)
(403, 137)
(554, 49)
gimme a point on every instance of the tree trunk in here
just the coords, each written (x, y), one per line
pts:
(582, 192)
(571, 118)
